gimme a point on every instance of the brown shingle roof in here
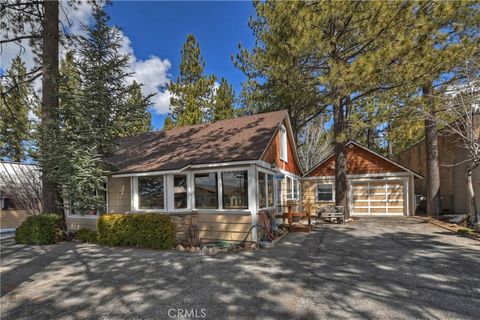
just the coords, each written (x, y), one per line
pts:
(238, 139)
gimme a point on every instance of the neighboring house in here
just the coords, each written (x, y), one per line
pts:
(376, 184)
(217, 175)
(19, 191)
(452, 157)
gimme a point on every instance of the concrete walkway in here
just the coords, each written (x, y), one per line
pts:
(373, 268)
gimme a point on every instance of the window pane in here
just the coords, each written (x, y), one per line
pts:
(270, 190)
(262, 198)
(235, 190)
(324, 192)
(180, 191)
(289, 188)
(150, 192)
(295, 189)
(206, 191)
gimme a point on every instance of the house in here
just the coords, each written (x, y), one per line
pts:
(452, 157)
(19, 193)
(217, 175)
(376, 184)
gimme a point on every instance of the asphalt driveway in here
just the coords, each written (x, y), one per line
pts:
(373, 268)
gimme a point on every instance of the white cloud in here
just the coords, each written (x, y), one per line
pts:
(153, 74)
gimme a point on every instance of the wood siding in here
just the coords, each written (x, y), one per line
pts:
(119, 195)
(272, 154)
(309, 200)
(359, 161)
(217, 226)
(74, 224)
(12, 218)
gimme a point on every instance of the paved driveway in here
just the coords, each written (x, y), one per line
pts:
(380, 268)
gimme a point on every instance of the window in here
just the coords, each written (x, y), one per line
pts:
(292, 188)
(262, 192)
(206, 191)
(265, 190)
(324, 192)
(235, 190)
(270, 190)
(180, 191)
(151, 191)
(283, 144)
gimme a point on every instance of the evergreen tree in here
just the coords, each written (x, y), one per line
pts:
(15, 106)
(97, 105)
(135, 118)
(222, 107)
(192, 91)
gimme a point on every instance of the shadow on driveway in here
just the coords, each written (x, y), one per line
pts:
(367, 269)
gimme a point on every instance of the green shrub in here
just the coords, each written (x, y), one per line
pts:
(154, 231)
(41, 229)
(87, 235)
(464, 231)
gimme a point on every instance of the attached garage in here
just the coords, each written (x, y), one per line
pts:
(377, 186)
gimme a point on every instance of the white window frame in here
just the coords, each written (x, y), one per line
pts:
(221, 191)
(283, 144)
(268, 175)
(293, 195)
(220, 208)
(324, 184)
(170, 191)
(136, 196)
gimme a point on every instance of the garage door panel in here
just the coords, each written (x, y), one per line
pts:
(378, 210)
(376, 197)
(395, 197)
(395, 210)
(360, 210)
(378, 204)
(395, 203)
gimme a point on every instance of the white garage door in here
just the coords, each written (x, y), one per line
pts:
(378, 198)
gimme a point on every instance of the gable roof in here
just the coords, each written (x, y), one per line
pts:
(239, 139)
(368, 150)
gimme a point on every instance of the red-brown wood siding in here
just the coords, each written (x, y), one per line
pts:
(359, 161)
(272, 154)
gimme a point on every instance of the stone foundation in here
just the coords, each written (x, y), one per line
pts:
(183, 221)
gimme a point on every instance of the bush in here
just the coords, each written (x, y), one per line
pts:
(143, 230)
(41, 229)
(87, 235)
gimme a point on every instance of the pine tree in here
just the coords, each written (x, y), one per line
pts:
(97, 105)
(15, 106)
(192, 91)
(136, 118)
(222, 106)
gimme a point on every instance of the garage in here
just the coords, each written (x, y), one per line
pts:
(377, 197)
(377, 185)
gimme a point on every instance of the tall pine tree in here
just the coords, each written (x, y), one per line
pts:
(192, 91)
(97, 105)
(15, 107)
(223, 104)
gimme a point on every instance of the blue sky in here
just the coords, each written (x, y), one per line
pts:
(160, 29)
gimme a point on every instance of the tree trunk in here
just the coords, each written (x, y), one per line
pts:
(433, 169)
(472, 210)
(340, 156)
(50, 76)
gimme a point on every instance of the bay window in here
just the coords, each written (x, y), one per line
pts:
(206, 191)
(151, 192)
(235, 190)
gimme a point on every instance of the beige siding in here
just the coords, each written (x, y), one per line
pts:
(12, 218)
(74, 224)
(309, 196)
(232, 227)
(119, 196)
